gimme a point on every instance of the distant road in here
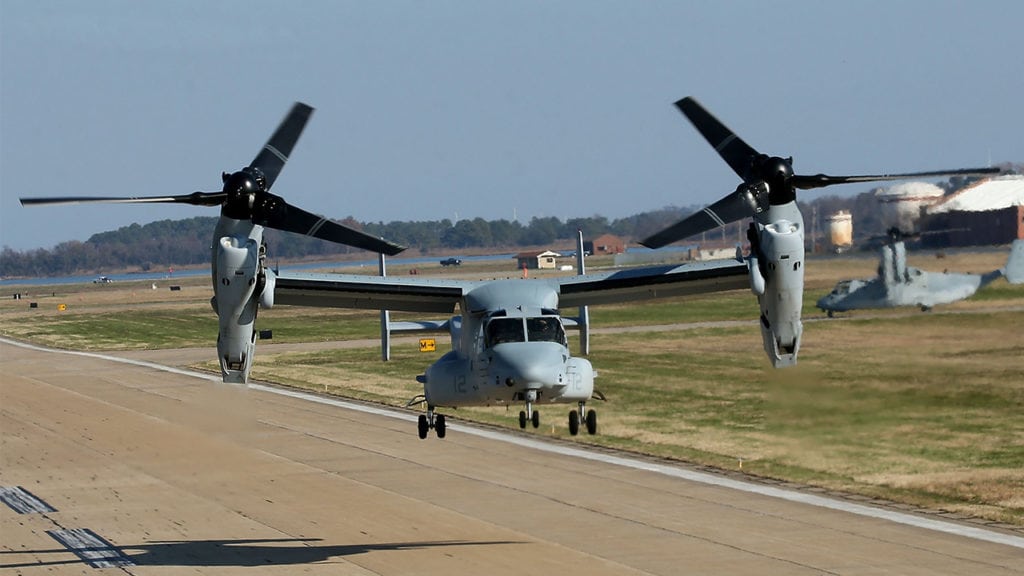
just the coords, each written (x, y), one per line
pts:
(190, 356)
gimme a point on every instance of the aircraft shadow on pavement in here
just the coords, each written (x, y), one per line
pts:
(242, 553)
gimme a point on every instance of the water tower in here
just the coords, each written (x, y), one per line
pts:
(840, 231)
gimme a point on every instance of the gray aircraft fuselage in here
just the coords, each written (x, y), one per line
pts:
(508, 346)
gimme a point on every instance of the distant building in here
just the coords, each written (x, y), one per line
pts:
(536, 260)
(989, 212)
(605, 244)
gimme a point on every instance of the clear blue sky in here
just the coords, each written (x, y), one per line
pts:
(445, 109)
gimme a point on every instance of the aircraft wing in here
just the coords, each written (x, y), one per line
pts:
(442, 296)
(369, 292)
(653, 282)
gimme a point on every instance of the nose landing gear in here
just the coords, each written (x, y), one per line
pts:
(529, 414)
(429, 421)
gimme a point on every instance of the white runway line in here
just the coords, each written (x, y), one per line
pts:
(23, 502)
(91, 548)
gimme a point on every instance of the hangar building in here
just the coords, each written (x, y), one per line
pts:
(989, 212)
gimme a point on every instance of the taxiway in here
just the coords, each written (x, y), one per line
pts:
(168, 472)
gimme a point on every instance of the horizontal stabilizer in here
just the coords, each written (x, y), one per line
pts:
(420, 326)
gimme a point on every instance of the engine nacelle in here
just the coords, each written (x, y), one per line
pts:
(781, 253)
(579, 381)
(236, 273)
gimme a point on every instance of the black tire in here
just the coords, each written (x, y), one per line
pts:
(423, 426)
(591, 422)
(535, 419)
(574, 422)
(439, 425)
(522, 419)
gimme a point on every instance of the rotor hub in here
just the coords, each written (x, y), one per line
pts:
(778, 174)
(240, 189)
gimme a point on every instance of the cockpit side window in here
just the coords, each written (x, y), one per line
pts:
(545, 329)
(501, 330)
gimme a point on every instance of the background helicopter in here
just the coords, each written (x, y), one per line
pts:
(768, 194)
(900, 285)
(241, 281)
(509, 343)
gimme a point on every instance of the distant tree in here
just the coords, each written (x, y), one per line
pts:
(506, 233)
(542, 231)
(591, 227)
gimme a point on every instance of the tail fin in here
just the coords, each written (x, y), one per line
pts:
(1014, 270)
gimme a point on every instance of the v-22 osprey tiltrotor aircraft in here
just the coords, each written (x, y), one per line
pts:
(508, 342)
(900, 285)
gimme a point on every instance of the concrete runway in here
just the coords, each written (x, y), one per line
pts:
(161, 472)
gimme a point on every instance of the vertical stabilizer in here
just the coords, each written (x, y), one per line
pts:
(1014, 270)
(385, 316)
(584, 319)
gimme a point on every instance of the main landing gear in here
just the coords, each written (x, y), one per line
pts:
(590, 419)
(429, 421)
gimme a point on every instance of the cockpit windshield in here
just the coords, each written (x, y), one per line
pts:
(502, 330)
(538, 329)
(545, 329)
(842, 288)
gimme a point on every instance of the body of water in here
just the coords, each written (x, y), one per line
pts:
(152, 276)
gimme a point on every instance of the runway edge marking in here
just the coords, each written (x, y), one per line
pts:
(625, 462)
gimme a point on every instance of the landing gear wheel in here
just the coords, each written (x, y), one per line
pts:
(522, 419)
(574, 422)
(439, 425)
(423, 426)
(591, 422)
(535, 419)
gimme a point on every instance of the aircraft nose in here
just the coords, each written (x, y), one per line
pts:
(526, 363)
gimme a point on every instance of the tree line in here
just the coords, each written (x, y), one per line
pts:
(176, 243)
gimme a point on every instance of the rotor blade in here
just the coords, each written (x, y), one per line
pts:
(736, 153)
(297, 220)
(196, 198)
(733, 207)
(275, 152)
(807, 182)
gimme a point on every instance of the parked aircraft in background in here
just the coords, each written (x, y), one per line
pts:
(900, 285)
